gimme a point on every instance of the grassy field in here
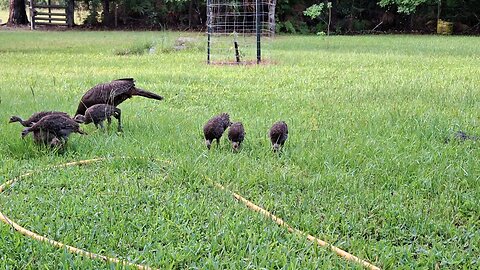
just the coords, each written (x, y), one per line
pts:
(366, 166)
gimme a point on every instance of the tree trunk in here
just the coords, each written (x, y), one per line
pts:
(190, 15)
(439, 9)
(17, 14)
(409, 22)
(193, 15)
(70, 13)
(333, 25)
(106, 13)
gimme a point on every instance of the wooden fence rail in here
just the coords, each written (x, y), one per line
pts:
(56, 15)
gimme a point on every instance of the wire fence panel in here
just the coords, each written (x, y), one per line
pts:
(238, 30)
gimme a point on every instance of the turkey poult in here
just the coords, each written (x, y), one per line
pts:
(98, 113)
(236, 134)
(278, 135)
(461, 136)
(46, 138)
(214, 128)
(54, 125)
(112, 93)
(34, 118)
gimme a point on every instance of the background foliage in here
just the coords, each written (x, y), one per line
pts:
(348, 16)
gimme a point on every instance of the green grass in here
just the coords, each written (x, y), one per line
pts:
(365, 167)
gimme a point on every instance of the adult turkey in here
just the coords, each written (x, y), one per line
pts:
(112, 93)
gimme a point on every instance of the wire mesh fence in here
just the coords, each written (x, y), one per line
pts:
(239, 31)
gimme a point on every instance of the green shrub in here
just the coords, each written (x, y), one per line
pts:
(320, 27)
(361, 25)
(3, 4)
(302, 27)
(289, 28)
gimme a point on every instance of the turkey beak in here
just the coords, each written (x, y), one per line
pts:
(79, 118)
(235, 146)
(56, 143)
(208, 143)
(276, 146)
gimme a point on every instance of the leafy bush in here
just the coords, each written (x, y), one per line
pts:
(289, 28)
(314, 11)
(320, 27)
(4, 4)
(361, 25)
(404, 6)
(93, 15)
(302, 27)
(317, 12)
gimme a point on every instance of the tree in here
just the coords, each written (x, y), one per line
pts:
(17, 14)
(106, 13)
(405, 6)
(316, 10)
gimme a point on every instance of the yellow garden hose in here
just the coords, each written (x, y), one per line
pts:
(70, 249)
(282, 223)
(238, 197)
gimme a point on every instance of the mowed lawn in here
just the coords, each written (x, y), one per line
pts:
(365, 167)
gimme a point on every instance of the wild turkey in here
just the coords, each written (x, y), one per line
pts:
(54, 125)
(461, 136)
(112, 93)
(215, 127)
(278, 134)
(45, 138)
(236, 134)
(48, 139)
(34, 118)
(98, 113)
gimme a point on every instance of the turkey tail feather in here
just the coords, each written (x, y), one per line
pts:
(143, 93)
